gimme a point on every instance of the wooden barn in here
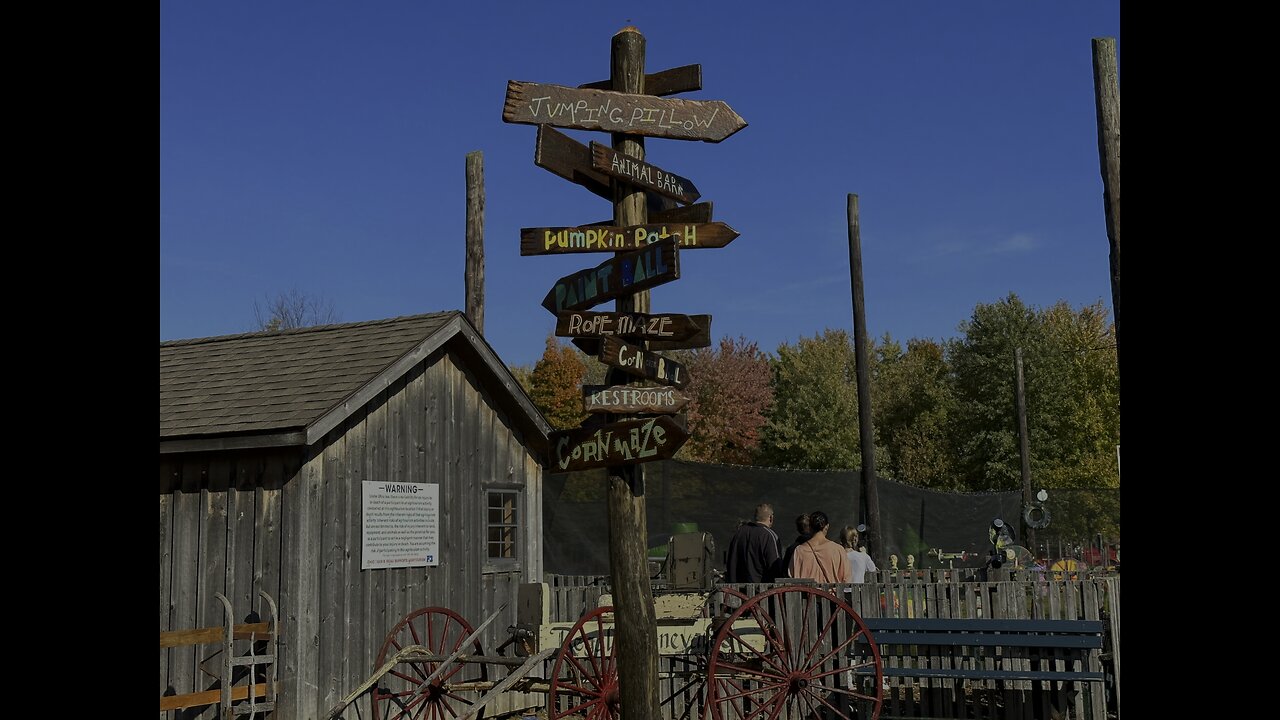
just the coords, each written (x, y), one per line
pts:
(270, 447)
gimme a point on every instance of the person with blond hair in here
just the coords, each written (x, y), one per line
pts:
(818, 558)
(859, 562)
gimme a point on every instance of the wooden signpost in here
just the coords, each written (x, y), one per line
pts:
(621, 443)
(621, 275)
(647, 230)
(637, 172)
(627, 399)
(560, 154)
(606, 238)
(685, 78)
(642, 326)
(566, 107)
(635, 360)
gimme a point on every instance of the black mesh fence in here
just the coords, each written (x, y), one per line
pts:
(939, 529)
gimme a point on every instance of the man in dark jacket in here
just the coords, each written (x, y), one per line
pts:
(803, 533)
(754, 551)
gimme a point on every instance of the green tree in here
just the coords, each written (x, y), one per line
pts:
(555, 385)
(730, 394)
(813, 423)
(1073, 411)
(913, 402)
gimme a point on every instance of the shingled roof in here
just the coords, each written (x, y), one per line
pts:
(291, 381)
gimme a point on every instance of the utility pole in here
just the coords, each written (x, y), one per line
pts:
(1106, 86)
(1024, 449)
(863, 372)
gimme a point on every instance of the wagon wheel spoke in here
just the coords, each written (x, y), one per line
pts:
(823, 700)
(443, 632)
(584, 678)
(734, 634)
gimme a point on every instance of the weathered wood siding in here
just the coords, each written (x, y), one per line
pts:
(288, 522)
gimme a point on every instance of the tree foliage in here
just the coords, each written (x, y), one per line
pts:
(293, 309)
(1072, 395)
(914, 402)
(555, 385)
(814, 420)
(730, 394)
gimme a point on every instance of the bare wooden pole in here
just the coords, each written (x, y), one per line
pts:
(1024, 449)
(1106, 86)
(863, 371)
(474, 276)
(636, 626)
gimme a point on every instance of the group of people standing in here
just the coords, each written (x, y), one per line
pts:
(755, 554)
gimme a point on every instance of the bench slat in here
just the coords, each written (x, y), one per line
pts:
(988, 640)
(986, 625)
(985, 674)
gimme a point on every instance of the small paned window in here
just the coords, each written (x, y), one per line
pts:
(503, 524)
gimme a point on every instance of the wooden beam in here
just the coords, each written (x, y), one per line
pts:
(685, 78)
(232, 442)
(209, 635)
(209, 697)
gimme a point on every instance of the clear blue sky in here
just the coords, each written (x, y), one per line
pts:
(321, 146)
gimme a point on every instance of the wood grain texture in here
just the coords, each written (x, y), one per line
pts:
(619, 112)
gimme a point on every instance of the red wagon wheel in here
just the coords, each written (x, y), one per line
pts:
(584, 680)
(794, 652)
(398, 695)
(684, 694)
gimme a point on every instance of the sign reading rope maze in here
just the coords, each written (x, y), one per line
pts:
(664, 326)
(543, 104)
(629, 442)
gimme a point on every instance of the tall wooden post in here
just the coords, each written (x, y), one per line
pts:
(474, 275)
(1106, 87)
(1024, 450)
(863, 372)
(636, 621)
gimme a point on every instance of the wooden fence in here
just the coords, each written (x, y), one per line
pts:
(943, 594)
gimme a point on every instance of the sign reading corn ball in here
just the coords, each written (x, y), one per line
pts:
(629, 442)
(628, 399)
(635, 360)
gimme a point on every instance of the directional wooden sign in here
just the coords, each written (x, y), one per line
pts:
(663, 326)
(623, 274)
(689, 214)
(637, 361)
(611, 238)
(642, 174)
(560, 154)
(685, 78)
(590, 344)
(608, 111)
(625, 399)
(629, 442)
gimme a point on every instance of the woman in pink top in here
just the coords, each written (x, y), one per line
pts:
(820, 559)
